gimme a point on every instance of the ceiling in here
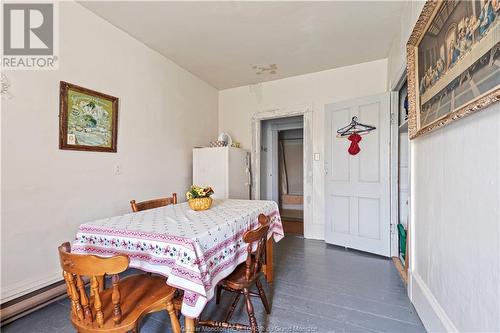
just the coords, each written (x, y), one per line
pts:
(228, 43)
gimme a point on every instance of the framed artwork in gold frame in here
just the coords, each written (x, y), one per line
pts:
(453, 57)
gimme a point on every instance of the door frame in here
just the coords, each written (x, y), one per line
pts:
(305, 110)
(399, 81)
(394, 170)
(394, 160)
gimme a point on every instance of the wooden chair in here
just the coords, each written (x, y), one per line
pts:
(155, 203)
(243, 278)
(116, 309)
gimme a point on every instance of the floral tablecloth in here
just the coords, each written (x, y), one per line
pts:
(194, 250)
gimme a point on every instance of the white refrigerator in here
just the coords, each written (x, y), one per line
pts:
(226, 169)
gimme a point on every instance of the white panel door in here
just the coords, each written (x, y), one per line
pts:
(357, 188)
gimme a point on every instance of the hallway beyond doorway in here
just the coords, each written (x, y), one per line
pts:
(282, 163)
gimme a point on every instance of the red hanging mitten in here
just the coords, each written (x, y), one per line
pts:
(354, 147)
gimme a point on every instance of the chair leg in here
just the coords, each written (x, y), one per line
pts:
(251, 315)
(233, 307)
(176, 326)
(217, 295)
(262, 295)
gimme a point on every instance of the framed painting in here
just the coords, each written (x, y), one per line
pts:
(453, 57)
(87, 119)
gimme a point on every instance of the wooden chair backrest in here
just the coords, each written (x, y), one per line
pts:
(77, 266)
(256, 238)
(155, 203)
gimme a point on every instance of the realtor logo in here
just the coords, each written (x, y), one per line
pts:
(28, 36)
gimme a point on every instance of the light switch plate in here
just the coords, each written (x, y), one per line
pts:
(317, 156)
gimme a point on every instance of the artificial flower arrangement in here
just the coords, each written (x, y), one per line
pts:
(199, 197)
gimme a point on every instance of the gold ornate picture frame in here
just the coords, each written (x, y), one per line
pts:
(453, 57)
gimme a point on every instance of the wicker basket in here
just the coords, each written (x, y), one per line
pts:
(200, 203)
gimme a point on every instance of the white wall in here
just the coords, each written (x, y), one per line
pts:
(455, 235)
(238, 105)
(397, 52)
(456, 220)
(46, 192)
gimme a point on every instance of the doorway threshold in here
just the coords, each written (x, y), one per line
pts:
(401, 270)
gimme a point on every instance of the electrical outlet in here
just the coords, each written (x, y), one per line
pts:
(118, 169)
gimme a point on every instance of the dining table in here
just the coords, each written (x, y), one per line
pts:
(194, 250)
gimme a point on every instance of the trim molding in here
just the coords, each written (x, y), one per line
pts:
(314, 231)
(394, 172)
(33, 301)
(428, 308)
(305, 110)
(24, 287)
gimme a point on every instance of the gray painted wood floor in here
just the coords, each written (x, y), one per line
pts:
(317, 288)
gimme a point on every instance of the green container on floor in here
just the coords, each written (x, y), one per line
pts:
(402, 240)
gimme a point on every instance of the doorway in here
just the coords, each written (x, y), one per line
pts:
(401, 181)
(282, 169)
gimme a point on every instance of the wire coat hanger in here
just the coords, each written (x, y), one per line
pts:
(354, 127)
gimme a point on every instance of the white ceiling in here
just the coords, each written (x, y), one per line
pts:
(221, 42)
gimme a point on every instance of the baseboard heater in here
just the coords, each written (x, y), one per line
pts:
(21, 306)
